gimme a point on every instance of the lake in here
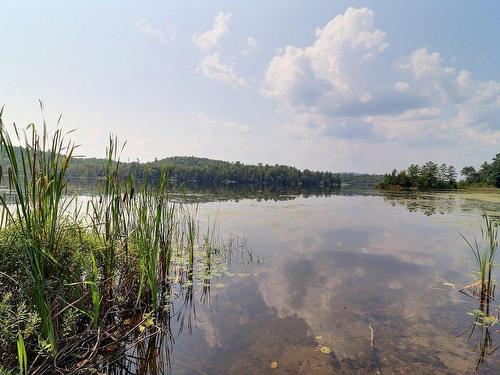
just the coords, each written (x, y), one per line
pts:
(350, 283)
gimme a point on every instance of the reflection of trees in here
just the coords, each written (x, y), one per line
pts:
(427, 204)
(437, 203)
(226, 192)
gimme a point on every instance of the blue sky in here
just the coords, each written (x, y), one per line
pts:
(341, 85)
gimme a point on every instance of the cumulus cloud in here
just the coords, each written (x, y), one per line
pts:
(251, 46)
(336, 72)
(212, 67)
(165, 34)
(209, 39)
(344, 80)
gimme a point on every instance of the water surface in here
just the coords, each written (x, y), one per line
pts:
(374, 278)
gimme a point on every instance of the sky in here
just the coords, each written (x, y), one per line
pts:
(364, 86)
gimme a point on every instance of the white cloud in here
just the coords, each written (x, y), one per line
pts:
(401, 86)
(424, 64)
(165, 34)
(344, 86)
(252, 46)
(210, 39)
(336, 71)
(211, 67)
(227, 126)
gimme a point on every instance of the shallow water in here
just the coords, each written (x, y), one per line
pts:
(372, 277)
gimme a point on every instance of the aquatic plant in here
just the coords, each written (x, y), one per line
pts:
(484, 252)
(36, 178)
(152, 235)
(79, 274)
(190, 213)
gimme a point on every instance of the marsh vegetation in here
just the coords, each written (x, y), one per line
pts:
(81, 278)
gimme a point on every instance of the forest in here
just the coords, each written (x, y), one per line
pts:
(487, 175)
(204, 173)
(207, 172)
(434, 176)
(428, 176)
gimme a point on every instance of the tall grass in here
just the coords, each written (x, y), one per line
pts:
(36, 176)
(484, 251)
(152, 236)
(106, 216)
(191, 229)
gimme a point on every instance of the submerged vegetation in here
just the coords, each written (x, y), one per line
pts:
(77, 278)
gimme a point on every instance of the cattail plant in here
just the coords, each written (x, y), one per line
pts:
(36, 180)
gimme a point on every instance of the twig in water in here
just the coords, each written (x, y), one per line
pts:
(371, 335)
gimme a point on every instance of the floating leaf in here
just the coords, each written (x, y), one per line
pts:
(319, 338)
(274, 364)
(219, 285)
(325, 350)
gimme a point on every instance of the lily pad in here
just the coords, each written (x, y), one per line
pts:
(325, 350)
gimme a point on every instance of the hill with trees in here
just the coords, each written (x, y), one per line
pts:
(209, 172)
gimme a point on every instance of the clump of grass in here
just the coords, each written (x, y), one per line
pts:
(191, 230)
(36, 178)
(151, 234)
(484, 252)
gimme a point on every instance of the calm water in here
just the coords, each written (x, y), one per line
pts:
(373, 278)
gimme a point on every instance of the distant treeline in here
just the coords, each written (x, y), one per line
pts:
(208, 172)
(428, 176)
(195, 172)
(488, 174)
(434, 176)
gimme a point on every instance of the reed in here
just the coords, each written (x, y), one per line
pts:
(191, 228)
(151, 230)
(484, 251)
(36, 178)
